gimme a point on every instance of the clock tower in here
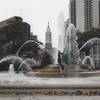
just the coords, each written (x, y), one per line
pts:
(48, 39)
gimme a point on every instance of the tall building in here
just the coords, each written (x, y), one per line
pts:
(85, 14)
(48, 46)
(48, 39)
(73, 11)
(13, 29)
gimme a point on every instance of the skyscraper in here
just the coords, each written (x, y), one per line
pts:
(84, 14)
(73, 11)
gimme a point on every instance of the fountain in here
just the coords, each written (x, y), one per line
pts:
(18, 64)
(12, 82)
(71, 49)
(89, 42)
(91, 64)
(27, 42)
(94, 57)
(11, 69)
(23, 83)
(15, 65)
(40, 52)
(22, 65)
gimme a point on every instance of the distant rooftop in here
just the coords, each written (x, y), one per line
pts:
(10, 20)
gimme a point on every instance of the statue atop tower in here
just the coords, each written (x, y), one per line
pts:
(48, 39)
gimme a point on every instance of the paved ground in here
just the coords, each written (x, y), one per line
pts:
(22, 97)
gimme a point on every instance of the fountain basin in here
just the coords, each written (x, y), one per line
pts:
(90, 73)
(19, 83)
(21, 79)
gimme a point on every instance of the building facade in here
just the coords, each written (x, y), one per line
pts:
(14, 29)
(85, 14)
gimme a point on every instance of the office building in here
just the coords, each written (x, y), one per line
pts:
(85, 14)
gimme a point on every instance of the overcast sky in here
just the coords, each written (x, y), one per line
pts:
(37, 13)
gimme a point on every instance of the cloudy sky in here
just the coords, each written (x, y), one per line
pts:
(37, 13)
